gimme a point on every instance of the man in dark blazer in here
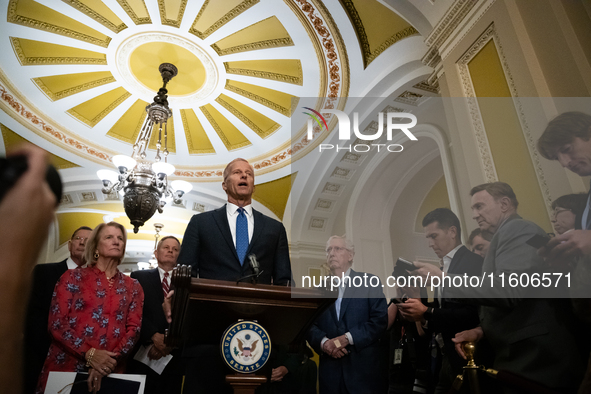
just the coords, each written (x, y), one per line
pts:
(536, 338)
(209, 243)
(45, 276)
(346, 335)
(155, 282)
(217, 244)
(447, 317)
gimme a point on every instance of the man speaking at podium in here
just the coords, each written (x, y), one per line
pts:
(216, 244)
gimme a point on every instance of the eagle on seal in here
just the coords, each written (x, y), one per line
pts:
(246, 350)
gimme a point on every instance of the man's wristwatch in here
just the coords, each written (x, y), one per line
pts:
(428, 313)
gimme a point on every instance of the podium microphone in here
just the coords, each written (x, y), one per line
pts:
(256, 268)
(254, 264)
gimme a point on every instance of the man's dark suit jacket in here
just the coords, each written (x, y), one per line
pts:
(364, 314)
(154, 321)
(452, 316)
(209, 248)
(37, 339)
(537, 338)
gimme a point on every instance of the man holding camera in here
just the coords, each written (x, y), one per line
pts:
(535, 338)
(443, 232)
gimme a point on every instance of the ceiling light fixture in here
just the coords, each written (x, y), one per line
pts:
(145, 184)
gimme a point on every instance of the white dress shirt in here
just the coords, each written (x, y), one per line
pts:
(446, 263)
(161, 272)
(449, 257)
(72, 265)
(337, 303)
(232, 212)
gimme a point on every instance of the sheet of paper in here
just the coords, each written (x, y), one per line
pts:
(57, 381)
(156, 365)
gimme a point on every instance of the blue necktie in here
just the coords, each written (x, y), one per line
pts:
(241, 235)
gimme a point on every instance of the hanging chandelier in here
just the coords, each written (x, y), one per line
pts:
(144, 183)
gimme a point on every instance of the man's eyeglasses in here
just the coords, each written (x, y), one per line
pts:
(80, 239)
(335, 248)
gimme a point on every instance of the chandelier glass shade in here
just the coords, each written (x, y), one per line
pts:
(145, 183)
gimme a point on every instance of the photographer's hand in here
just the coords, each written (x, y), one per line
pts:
(561, 249)
(27, 209)
(427, 269)
(412, 310)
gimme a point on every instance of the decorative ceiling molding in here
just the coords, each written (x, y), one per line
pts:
(80, 6)
(333, 188)
(333, 74)
(190, 144)
(93, 122)
(132, 14)
(330, 48)
(318, 223)
(39, 60)
(324, 205)
(368, 54)
(488, 165)
(13, 106)
(246, 120)
(273, 43)
(299, 250)
(410, 98)
(13, 17)
(427, 87)
(342, 173)
(451, 29)
(76, 89)
(450, 21)
(488, 35)
(221, 132)
(296, 80)
(261, 100)
(233, 13)
(172, 22)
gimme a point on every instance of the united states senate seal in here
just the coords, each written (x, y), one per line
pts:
(246, 346)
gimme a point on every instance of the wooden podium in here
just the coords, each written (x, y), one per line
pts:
(285, 312)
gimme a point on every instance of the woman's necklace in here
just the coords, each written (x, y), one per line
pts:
(111, 279)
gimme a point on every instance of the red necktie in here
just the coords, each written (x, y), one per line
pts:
(165, 287)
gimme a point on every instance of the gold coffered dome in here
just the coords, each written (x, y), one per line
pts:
(76, 76)
(242, 66)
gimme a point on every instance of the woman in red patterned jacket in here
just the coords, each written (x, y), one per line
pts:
(96, 312)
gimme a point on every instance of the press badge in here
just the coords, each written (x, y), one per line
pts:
(397, 356)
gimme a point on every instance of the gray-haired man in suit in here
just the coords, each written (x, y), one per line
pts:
(346, 335)
(535, 338)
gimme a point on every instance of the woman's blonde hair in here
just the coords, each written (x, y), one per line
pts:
(93, 240)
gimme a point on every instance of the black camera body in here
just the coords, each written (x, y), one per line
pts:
(11, 169)
(405, 264)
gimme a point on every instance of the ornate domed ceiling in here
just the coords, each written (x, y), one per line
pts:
(76, 76)
(241, 63)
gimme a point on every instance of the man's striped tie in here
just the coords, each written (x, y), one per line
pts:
(165, 287)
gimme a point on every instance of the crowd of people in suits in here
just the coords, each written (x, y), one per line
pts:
(85, 315)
